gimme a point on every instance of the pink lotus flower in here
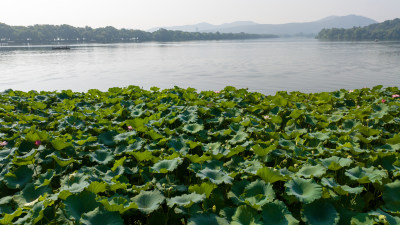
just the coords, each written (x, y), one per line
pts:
(350, 91)
(217, 92)
(396, 96)
(38, 142)
(383, 101)
(130, 128)
(267, 117)
(4, 143)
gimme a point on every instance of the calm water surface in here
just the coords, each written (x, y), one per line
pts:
(264, 66)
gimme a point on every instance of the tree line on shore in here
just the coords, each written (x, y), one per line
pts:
(388, 30)
(67, 33)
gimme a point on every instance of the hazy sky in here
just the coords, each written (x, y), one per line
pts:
(146, 14)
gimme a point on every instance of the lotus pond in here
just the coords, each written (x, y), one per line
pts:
(178, 156)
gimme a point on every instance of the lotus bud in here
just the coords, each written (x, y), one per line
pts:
(163, 185)
(349, 156)
(214, 208)
(170, 189)
(162, 149)
(295, 165)
(382, 218)
(284, 161)
(71, 176)
(312, 152)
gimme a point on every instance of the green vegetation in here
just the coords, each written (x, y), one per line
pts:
(40, 34)
(388, 30)
(177, 156)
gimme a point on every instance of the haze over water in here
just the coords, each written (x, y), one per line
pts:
(265, 66)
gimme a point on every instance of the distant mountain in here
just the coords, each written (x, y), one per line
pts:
(200, 27)
(290, 29)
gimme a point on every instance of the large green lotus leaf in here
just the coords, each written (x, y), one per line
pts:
(188, 117)
(8, 218)
(336, 163)
(261, 151)
(276, 213)
(238, 138)
(237, 190)
(166, 166)
(98, 216)
(320, 213)
(245, 215)
(26, 159)
(148, 201)
(258, 193)
(97, 187)
(185, 200)
(118, 203)
(215, 176)
(154, 135)
(60, 160)
(30, 193)
(60, 144)
(391, 196)
(305, 190)
(309, 171)
(362, 219)
(366, 175)
(45, 178)
(193, 128)
(83, 202)
(74, 183)
(142, 156)
(123, 137)
(345, 190)
(204, 188)
(209, 219)
(19, 177)
(319, 136)
(270, 175)
(107, 138)
(179, 145)
(101, 156)
(394, 140)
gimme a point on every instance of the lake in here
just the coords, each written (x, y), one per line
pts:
(265, 65)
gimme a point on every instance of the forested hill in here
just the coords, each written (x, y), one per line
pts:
(388, 30)
(69, 34)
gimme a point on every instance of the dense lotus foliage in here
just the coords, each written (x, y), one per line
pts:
(178, 156)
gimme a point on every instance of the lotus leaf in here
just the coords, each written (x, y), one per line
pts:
(74, 207)
(60, 144)
(148, 201)
(309, 171)
(320, 213)
(366, 175)
(166, 166)
(26, 159)
(336, 163)
(193, 128)
(391, 196)
(118, 203)
(204, 188)
(215, 176)
(30, 193)
(270, 175)
(305, 190)
(74, 183)
(107, 138)
(123, 137)
(185, 200)
(209, 219)
(101, 156)
(245, 215)
(19, 177)
(98, 216)
(276, 213)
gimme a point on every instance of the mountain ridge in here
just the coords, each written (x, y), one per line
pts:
(296, 28)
